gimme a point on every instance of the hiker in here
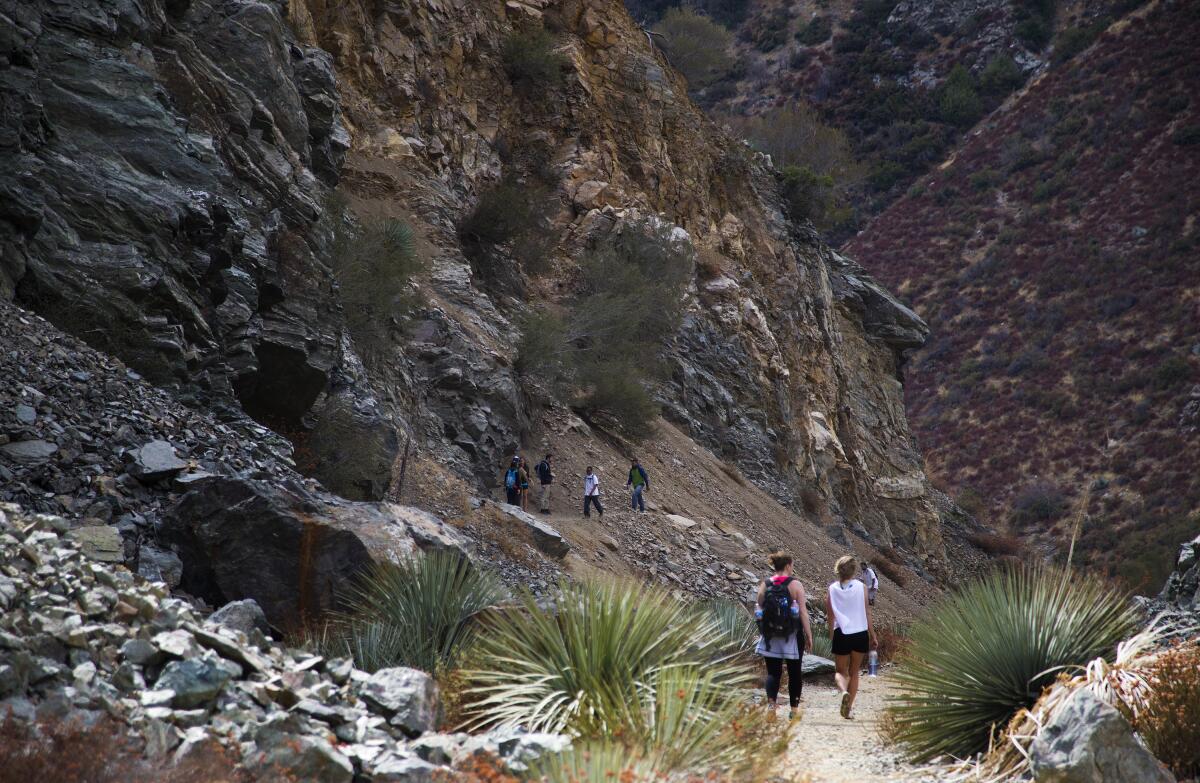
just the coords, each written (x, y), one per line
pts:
(640, 483)
(591, 492)
(523, 480)
(850, 628)
(781, 614)
(545, 476)
(871, 581)
(512, 482)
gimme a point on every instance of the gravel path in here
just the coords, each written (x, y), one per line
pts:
(827, 749)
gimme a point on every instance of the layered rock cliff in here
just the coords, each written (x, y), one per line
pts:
(168, 203)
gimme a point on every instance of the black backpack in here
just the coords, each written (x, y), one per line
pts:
(777, 620)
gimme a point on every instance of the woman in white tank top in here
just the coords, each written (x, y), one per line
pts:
(849, 627)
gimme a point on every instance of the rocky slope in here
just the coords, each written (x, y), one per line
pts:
(1056, 251)
(170, 205)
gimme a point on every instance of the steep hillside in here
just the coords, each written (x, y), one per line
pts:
(207, 190)
(905, 80)
(1056, 253)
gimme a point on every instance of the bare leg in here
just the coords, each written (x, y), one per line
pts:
(856, 659)
(842, 675)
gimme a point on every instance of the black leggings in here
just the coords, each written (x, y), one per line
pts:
(775, 672)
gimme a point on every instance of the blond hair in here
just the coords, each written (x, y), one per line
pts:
(846, 567)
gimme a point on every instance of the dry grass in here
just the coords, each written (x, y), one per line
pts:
(67, 753)
(892, 642)
(890, 569)
(1170, 723)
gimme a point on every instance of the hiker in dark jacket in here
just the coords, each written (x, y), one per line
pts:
(545, 476)
(640, 483)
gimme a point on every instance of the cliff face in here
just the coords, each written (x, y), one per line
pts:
(173, 164)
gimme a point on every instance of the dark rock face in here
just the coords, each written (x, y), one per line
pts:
(290, 549)
(165, 166)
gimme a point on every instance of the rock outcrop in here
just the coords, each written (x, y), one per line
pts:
(290, 549)
(90, 640)
(215, 129)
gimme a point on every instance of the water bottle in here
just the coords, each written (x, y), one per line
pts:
(758, 613)
(873, 663)
(795, 609)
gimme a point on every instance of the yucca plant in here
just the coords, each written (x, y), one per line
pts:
(822, 644)
(579, 666)
(989, 649)
(594, 762)
(419, 612)
(735, 624)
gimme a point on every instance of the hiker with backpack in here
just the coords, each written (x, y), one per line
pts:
(591, 493)
(782, 616)
(512, 483)
(523, 480)
(545, 476)
(640, 483)
(850, 628)
(870, 580)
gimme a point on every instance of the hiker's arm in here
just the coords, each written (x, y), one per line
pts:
(762, 590)
(829, 613)
(804, 624)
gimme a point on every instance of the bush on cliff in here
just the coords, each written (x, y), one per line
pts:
(531, 61)
(989, 649)
(374, 262)
(696, 46)
(605, 346)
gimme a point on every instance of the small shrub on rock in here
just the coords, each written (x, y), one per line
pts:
(531, 62)
(958, 101)
(696, 46)
(1039, 502)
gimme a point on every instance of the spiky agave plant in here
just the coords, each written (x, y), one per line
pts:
(419, 612)
(734, 623)
(594, 762)
(579, 665)
(822, 644)
(989, 649)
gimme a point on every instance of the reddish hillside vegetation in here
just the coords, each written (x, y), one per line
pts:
(1057, 257)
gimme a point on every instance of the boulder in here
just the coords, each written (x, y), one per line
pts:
(547, 540)
(407, 696)
(155, 461)
(28, 450)
(245, 616)
(99, 542)
(195, 682)
(300, 757)
(1088, 741)
(393, 767)
(815, 665)
(680, 523)
(290, 549)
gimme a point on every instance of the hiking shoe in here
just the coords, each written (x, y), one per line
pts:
(845, 704)
(794, 714)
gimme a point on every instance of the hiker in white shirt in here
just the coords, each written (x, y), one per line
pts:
(591, 493)
(870, 580)
(850, 628)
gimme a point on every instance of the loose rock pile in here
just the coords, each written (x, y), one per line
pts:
(80, 636)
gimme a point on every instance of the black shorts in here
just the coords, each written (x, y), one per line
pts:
(844, 644)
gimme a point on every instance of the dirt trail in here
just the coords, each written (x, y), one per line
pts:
(828, 749)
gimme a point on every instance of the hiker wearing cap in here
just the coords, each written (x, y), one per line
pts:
(545, 476)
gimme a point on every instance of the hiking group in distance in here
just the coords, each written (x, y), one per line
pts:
(780, 609)
(517, 485)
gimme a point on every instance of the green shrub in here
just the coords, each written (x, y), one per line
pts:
(616, 661)
(595, 762)
(696, 46)
(1171, 372)
(420, 612)
(606, 347)
(531, 62)
(1074, 40)
(1187, 136)
(816, 31)
(958, 101)
(1000, 76)
(985, 179)
(822, 643)
(514, 214)
(1039, 502)
(989, 649)
(373, 262)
